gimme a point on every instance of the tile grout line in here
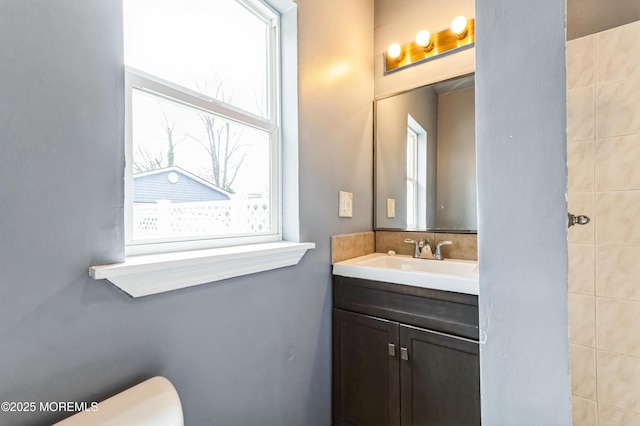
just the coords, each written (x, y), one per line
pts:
(595, 223)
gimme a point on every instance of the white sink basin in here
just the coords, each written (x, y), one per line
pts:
(455, 275)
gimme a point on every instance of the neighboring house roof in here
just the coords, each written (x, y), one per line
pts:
(176, 185)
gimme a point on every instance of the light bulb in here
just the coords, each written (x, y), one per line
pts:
(394, 51)
(423, 38)
(459, 26)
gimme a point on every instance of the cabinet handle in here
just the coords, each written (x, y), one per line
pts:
(392, 349)
(404, 354)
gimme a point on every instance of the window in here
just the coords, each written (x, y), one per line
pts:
(202, 124)
(412, 178)
(416, 174)
(203, 143)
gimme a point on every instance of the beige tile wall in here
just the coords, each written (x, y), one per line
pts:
(465, 246)
(348, 246)
(603, 152)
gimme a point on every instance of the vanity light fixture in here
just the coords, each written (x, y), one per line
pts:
(429, 46)
(459, 27)
(395, 52)
(423, 38)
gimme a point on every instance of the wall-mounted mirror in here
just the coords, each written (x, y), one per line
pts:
(425, 158)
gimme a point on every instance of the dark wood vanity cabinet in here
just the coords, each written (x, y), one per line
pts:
(404, 366)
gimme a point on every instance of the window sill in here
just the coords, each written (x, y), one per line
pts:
(151, 274)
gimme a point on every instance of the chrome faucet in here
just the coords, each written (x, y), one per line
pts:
(420, 247)
(425, 250)
(417, 246)
(438, 254)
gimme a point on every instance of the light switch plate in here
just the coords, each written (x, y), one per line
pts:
(391, 208)
(345, 204)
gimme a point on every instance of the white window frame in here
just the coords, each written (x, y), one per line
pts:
(146, 274)
(139, 80)
(421, 172)
(412, 178)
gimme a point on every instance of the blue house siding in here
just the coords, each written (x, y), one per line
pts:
(151, 187)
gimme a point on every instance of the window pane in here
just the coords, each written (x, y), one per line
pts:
(411, 204)
(196, 174)
(412, 155)
(216, 47)
(412, 175)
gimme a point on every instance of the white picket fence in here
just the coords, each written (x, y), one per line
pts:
(165, 219)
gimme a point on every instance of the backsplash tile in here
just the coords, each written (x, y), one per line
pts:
(348, 246)
(465, 246)
(369, 242)
(394, 240)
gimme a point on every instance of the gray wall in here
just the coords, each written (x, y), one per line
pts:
(391, 153)
(252, 350)
(522, 239)
(456, 189)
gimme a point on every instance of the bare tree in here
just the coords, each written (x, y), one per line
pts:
(224, 149)
(222, 144)
(168, 128)
(145, 161)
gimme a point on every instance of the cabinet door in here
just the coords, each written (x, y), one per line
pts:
(366, 371)
(440, 378)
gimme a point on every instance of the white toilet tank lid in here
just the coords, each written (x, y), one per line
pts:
(154, 402)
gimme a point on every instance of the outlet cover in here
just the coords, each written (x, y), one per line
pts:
(345, 204)
(391, 208)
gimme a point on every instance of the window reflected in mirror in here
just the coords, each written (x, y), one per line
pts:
(425, 158)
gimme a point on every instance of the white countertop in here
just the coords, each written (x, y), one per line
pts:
(460, 276)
